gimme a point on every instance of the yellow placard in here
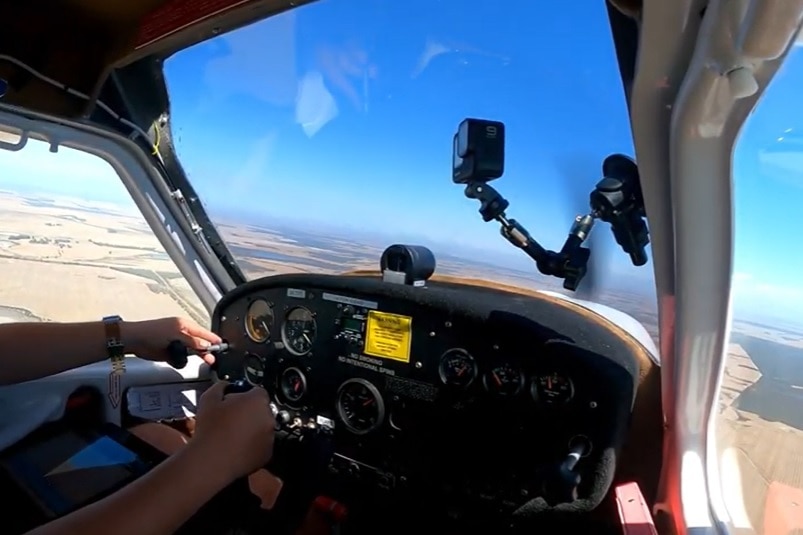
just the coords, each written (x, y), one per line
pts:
(388, 336)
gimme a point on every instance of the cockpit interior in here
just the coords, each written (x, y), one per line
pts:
(405, 398)
(436, 404)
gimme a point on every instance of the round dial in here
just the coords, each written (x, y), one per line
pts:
(553, 389)
(254, 369)
(360, 406)
(457, 368)
(293, 384)
(258, 321)
(504, 380)
(299, 331)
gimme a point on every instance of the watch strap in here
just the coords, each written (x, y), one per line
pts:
(115, 349)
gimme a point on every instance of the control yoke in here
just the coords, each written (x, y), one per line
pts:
(479, 157)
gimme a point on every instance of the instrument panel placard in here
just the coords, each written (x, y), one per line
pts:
(388, 336)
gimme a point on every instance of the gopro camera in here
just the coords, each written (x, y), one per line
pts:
(479, 151)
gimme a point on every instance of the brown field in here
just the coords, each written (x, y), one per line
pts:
(760, 418)
(64, 261)
(67, 260)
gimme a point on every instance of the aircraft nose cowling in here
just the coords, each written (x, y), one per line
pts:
(630, 324)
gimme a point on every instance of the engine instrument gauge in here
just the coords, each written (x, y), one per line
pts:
(254, 369)
(293, 384)
(360, 406)
(258, 321)
(504, 380)
(299, 331)
(457, 368)
(552, 389)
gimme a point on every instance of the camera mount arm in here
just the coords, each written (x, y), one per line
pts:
(569, 264)
(616, 199)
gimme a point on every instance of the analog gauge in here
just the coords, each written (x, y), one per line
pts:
(457, 368)
(552, 389)
(293, 384)
(258, 321)
(505, 380)
(360, 406)
(254, 369)
(299, 331)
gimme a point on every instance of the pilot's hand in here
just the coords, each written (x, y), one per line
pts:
(237, 430)
(149, 339)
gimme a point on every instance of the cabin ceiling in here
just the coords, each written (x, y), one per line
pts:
(71, 41)
(78, 42)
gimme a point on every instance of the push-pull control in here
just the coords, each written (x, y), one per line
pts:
(561, 486)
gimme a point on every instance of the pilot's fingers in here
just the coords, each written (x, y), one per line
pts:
(194, 330)
(209, 358)
(197, 343)
(213, 394)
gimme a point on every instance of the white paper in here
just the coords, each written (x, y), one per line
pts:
(166, 401)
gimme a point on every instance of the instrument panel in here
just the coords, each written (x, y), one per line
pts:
(435, 393)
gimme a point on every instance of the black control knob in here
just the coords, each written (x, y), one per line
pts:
(353, 470)
(237, 387)
(283, 417)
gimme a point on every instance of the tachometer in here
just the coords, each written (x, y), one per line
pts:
(258, 321)
(293, 384)
(504, 380)
(552, 389)
(299, 331)
(457, 368)
(360, 406)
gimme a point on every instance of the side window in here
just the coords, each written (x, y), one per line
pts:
(74, 246)
(759, 417)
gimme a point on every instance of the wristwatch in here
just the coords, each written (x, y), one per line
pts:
(114, 343)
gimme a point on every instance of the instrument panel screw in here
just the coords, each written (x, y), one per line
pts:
(448, 324)
(432, 334)
(222, 318)
(496, 347)
(418, 365)
(593, 404)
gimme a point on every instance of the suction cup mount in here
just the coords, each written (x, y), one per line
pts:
(407, 264)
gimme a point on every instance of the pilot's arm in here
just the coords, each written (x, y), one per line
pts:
(32, 350)
(233, 438)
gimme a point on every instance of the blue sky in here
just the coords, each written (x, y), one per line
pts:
(341, 115)
(351, 123)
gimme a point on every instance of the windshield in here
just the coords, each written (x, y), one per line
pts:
(320, 136)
